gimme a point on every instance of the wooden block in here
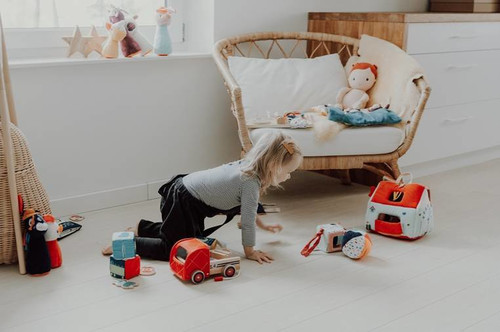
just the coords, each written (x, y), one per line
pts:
(123, 245)
(125, 268)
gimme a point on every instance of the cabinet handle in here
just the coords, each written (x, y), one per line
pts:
(462, 66)
(463, 36)
(457, 120)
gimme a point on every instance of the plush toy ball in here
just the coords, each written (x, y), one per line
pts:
(356, 244)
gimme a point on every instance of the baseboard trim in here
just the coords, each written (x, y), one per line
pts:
(458, 161)
(105, 199)
(142, 192)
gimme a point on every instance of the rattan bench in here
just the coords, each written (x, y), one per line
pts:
(307, 44)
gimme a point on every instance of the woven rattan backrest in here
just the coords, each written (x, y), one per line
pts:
(287, 45)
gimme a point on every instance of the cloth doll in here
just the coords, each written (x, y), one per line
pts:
(361, 79)
(51, 240)
(37, 254)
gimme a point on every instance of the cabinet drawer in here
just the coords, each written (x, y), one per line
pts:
(452, 130)
(461, 77)
(452, 37)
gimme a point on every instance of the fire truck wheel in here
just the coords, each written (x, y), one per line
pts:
(197, 277)
(229, 271)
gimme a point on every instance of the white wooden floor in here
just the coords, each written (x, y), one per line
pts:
(446, 281)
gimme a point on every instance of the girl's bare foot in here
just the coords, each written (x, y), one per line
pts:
(133, 229)
(106, 251)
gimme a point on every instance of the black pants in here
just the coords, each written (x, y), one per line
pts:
(183, 216)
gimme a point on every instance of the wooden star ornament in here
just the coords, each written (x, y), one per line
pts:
(95, 42)
(77, 43)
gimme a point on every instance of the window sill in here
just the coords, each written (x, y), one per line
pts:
(56, 62)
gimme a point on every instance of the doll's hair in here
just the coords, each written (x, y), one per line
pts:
(365, 65)
(269, 155)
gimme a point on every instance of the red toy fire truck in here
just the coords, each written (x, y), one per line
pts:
(192, 259)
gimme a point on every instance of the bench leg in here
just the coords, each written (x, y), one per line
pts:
(396, 172)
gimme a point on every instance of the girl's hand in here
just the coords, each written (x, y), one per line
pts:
(258, 255)
(270, 228)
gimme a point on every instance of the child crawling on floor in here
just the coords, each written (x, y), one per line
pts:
(230, 189)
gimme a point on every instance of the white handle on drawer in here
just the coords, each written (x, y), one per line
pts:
(462, 66)
(457, 120)
(464, 36)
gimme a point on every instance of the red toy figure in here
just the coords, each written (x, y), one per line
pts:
(51, 239)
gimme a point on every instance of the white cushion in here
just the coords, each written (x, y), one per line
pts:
(349, 141)
(282, 85)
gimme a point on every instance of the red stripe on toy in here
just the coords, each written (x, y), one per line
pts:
(384, 227)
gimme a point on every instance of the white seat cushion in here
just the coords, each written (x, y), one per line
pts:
(349, 141)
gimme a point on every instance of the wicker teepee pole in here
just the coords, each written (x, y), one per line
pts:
(6, 74)
(9, 155)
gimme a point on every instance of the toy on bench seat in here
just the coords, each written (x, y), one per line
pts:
(400, 209)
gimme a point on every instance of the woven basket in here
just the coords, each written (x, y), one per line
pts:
(28, 186)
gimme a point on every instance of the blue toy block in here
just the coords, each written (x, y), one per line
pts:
(123, 245)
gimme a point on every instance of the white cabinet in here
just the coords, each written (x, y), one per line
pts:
(462, 65)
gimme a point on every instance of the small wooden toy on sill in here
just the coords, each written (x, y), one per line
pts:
(144, 45)
(117, 32)
(192, 259)
(162, 44)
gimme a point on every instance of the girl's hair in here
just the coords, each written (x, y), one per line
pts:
(268, 155)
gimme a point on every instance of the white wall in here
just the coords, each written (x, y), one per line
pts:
(100, 133)
(101, 127)
(234, 17)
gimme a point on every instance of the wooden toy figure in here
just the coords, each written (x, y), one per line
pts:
(117, 32)
(129, 45)
(51, 239)
(162, 42)
(115, 14)
(37, 254)
(132, 29)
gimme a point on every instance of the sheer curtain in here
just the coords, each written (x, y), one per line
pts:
(68, 13)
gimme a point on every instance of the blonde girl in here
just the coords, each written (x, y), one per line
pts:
(229, 189)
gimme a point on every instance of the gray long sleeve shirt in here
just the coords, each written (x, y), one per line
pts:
(224, 188)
